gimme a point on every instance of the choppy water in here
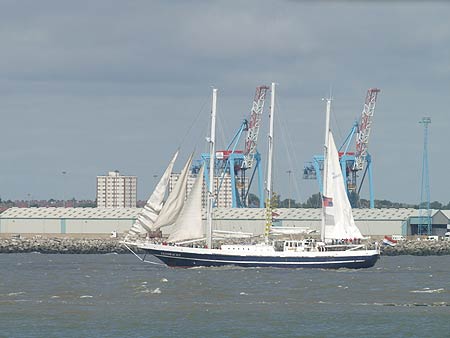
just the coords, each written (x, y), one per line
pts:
(118, 296)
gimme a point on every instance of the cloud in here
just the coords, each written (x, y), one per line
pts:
(94, 86)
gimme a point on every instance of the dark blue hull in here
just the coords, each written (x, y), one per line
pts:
(188, 260)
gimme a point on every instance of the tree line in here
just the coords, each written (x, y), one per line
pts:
(315, 201)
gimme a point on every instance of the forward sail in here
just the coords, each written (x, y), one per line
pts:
(172, 208)
(189, 223)
(148, 215)
(339, 222)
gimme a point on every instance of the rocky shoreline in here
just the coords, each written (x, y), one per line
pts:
(113, 245)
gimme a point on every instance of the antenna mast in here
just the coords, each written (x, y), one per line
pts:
(424, 226)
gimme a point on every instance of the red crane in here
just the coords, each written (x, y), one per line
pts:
(364, 127)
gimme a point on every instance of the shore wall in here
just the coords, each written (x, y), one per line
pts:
(69, 245)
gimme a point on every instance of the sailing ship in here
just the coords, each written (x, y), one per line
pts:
(339, 247)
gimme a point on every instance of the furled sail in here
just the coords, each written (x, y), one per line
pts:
(339, 222)
(174, 203)
(189, 223)
(148, 215)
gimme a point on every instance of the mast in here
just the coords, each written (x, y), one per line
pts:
(325, 169)
(212, 153)
(269, 167)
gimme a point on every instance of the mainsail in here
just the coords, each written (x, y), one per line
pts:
(148, 215)
(339, 222)
(189, 224)
(172, 208)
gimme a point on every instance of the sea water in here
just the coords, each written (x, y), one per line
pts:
(119, 296)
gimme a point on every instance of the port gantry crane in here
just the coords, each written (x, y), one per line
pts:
(235, 163)
(352, 162)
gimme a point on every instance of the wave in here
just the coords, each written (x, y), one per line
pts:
(428, 290)
(11, 294)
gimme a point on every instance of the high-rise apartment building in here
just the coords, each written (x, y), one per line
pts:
(116, 191)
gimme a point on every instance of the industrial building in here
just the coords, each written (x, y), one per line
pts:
(439, 223)
(446, 213)
(371, 222)
(67, 220)
(116, 191)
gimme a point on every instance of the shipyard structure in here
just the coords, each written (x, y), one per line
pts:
(237, 169)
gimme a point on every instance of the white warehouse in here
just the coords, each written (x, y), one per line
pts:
(371, 222)
(67, 220)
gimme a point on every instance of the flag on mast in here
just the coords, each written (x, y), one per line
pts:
(327, 201)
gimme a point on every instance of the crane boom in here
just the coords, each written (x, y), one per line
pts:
(253, 127)
(362, 137)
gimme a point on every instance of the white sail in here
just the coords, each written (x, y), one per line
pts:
(339, 222)
(189, 223)
(171, 209)
(148, 215)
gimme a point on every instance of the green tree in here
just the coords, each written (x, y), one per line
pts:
(275, 202)
(354, 199)
(315, 201)
(436, 205)
(289, 203)
(253, 201)
(363, 203)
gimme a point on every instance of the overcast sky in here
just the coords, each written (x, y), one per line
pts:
(92, 86)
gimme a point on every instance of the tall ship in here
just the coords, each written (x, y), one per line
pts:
(190, 243)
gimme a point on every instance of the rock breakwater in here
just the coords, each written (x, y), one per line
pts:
(69, 245)
(417, 248)
(62, 245)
